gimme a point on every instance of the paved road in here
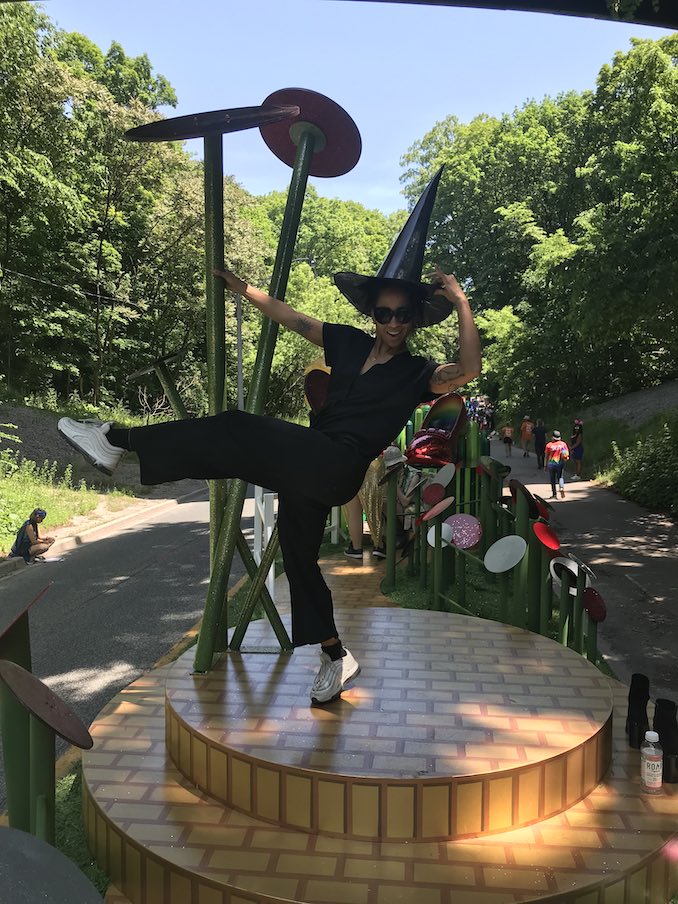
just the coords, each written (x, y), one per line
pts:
(635, 556)
(116, 605)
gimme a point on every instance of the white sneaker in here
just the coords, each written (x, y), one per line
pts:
(575, 477)
(89, 438)
(332, 676)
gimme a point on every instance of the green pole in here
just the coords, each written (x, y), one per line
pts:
(436, 583)
(15, 645)
(579, 612)
(565, 609)
(521, 572)
(545, 592)
(214, 630)
(42, 781)
(215, 313)
(170, 389)
(460, 575)
(534, 571)
(412, 560)
(389, 581)
(591, 641)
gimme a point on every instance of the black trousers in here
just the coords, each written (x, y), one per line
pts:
(310, 471)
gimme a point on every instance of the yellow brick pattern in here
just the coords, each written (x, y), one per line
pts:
(164, 841)
(425, 721)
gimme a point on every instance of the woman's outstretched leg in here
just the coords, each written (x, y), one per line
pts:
(260, 450)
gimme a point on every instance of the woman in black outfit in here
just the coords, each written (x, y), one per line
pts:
(374, 386)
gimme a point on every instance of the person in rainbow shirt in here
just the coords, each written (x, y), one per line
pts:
(556, 454)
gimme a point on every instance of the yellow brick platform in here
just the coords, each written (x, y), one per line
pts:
(455, 727)
(165, 842)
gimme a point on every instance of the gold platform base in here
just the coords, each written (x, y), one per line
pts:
(163, 841)
(456, 727)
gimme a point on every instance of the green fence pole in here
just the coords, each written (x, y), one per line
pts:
(214, 631)
(389, 581)
(521, 571)
(437, 577)
(534, 567)
(579, 612)
(565, 607)
(545, 591)
(591, 640)
(42, 780)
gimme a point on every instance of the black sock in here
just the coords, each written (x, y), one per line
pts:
(118, 436)
(335, 651)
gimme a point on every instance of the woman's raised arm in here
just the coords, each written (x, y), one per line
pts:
(308, 327)
(447, 377)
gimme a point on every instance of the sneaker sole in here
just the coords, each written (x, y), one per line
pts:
(316, 702)
(90, 458)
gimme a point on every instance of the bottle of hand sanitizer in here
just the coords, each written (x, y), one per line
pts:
(651, 756)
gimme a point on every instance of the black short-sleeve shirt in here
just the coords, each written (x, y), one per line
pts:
(368, 411)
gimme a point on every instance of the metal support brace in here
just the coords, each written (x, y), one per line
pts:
(255, 593)
(214, 631)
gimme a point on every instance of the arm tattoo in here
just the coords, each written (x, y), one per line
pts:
(303, 325)
(446, 373)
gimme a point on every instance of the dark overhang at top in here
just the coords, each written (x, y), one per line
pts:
(664, 16)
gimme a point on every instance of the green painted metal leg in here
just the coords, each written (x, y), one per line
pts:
(42, 781)
(215, 311)
(213, 634)
(14, 729)
(255, 594)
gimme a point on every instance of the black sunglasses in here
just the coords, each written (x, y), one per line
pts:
(385, 315)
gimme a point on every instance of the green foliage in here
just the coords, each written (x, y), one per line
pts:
(646, 471)
(564, 213)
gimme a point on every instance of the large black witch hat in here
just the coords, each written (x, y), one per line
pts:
(402, 267)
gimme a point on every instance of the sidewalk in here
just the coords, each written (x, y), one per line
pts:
(634, 554)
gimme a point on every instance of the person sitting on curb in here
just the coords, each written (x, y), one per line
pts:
(28, 545)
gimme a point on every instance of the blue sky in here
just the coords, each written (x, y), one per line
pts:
(396, 68)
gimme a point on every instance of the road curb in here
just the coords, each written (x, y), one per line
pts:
(98, 531)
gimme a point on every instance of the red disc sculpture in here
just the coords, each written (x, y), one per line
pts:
(547, 536)
(338, 144)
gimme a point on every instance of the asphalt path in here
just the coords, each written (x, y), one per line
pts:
(115, 605)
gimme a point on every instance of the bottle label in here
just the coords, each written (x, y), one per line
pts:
(651, 771)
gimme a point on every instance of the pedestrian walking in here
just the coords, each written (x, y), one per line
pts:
(526, 428)
(539, 434)
(577, 447)
(506, 433)
(556, 454)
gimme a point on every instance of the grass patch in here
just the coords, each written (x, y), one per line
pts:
(70, 831)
